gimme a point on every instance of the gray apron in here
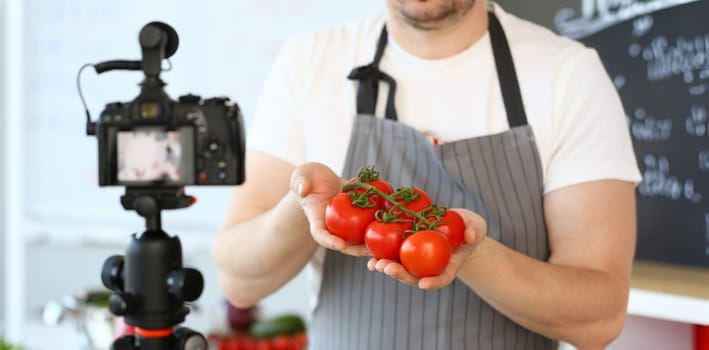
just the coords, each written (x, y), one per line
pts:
(498, 176)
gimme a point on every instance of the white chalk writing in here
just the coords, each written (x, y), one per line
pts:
(698, 90)
(599, 14)
(647, 128)
(697, 121)
(642, 25)
(619, 81)
(703, 160)
(686, 57)
(657, 181)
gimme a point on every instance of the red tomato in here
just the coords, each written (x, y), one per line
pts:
(229, 344)
(453, 227)
(282, 342)
(300, 341)
(380, 185)
(347, 221)
(425, 253)
(384, 239)
(248, 344)
(264, 344)
(421, 202)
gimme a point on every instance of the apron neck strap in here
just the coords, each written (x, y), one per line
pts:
(370, 75)
(506, 74)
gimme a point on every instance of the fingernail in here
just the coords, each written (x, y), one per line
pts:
(299, 188)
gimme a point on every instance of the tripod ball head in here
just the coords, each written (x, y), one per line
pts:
(150, 286)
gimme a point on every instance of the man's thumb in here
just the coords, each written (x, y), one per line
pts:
(301, 179)
(299, 184)
(475, 226)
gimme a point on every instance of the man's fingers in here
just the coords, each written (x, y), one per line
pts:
(437, 282)
(397, 271)
(330, 241)
(382, 264)
(356, 250)
(432, 283)
(327, 240)
(316, 184)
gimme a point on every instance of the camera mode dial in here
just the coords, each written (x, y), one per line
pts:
(216, 101)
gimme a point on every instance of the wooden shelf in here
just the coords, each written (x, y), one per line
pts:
(671, 292)
(688, 281)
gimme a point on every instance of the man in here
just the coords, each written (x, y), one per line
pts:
(529, 140)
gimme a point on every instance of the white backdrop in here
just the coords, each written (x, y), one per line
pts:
(226, 48)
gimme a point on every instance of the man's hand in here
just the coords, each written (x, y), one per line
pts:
(315, 184)
(475, 232)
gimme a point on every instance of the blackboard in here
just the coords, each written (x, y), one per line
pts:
(659, 62)
(657, 53)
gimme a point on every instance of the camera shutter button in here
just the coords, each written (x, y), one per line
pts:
(189, 98)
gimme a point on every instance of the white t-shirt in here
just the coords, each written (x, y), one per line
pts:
(307, 106)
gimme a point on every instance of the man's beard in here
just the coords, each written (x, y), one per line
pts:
(446, 11)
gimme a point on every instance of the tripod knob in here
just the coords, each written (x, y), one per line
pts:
(112, 273)
(121, 304)
(189, 339)
(186, 284)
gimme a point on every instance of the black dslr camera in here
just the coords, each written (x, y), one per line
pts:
(155, 141)
(155, 146)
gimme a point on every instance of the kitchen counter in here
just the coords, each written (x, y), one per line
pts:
(671, 292)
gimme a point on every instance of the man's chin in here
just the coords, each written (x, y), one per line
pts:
(430, 15)
(425, 22)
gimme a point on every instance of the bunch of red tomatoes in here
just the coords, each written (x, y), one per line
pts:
(402, 225)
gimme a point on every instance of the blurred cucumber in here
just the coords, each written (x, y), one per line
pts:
(7, 346)
(269, 328)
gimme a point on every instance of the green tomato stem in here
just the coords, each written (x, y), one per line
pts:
(392, 200)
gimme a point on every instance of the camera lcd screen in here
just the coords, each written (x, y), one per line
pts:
(155, 156)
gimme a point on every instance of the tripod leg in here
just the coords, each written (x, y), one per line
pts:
(125, 343)
(189, 339)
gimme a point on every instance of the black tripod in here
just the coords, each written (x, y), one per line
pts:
(149, 284)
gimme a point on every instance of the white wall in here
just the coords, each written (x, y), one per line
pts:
(2, 163)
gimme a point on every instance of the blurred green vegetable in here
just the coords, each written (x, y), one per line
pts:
(7, 346)
(272, 327)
